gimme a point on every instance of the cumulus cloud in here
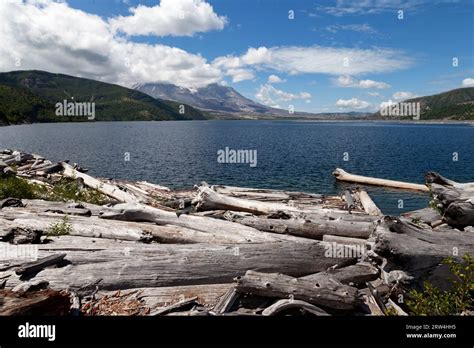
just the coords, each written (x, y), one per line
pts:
(50, 35)
(348, 81)
(274, 79)
(269, 95)
(353, 103)
(469, 82)
(170, 17)
(233, 67)
(403, 95)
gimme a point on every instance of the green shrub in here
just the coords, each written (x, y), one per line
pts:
(62, 228)
(454, 301)
(12, 186)
(68, 190)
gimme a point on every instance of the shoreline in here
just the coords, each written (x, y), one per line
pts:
(404, 122)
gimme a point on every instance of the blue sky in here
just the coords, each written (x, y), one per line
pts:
(332, 56)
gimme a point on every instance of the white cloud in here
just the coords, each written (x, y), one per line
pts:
(269, 95)
(348, 81)
(261, 55)
(324, 60)
(361, 28)
(403, 95)
(353, 103)
(350, 7)
(49, 35)
(274, 79)
(170, 17)
(469, 82)
(232, 66)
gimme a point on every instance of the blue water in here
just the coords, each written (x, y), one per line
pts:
(293, 155)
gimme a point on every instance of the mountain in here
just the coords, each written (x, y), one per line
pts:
(457, 104)
(214, 98)
(31, 96)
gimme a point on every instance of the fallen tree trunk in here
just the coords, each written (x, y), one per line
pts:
(419, 252)
(137, 212)
(336, 296)
(105, 188)
(94, 227)
(175, 265)
(455, 200)
(368, 204)
(208, 199)
(342, 175)
(357, 274)
(315, 228)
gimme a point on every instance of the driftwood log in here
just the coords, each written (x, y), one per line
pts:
(419, 252)
(119, 266)
(342, 175)
(333, 295)
(455, 200)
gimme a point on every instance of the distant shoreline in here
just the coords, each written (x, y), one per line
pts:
(309, 120)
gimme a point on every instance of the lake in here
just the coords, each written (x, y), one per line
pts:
(292, 155)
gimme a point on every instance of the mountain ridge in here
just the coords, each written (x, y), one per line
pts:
(28, 96)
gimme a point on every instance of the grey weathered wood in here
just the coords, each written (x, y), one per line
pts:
(40, 264)
(139, 212)
(419, 251)
(337, 296)
(314, 228)
(156, 265)
(226, 301)
(428, 215)
(174, 307)
(283, 305)
(359, 273)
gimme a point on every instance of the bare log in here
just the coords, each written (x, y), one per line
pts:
(314, 228)
(105, 188)
(342, 175)
(418, 251)
(137, 212)
(359, 273)
(368, 204)
(337, 296)
(120, 266)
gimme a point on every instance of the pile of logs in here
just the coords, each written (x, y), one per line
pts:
(214, 250)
